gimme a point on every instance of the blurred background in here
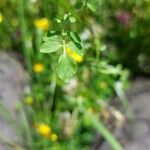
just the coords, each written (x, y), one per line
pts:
(103, 103)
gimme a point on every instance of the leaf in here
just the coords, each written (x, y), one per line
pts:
(66, 68)
(74, 37)
(72, 19)
(53, 33)
(76, 47)
(92, 5)
(66, 16)
(51, 44)
(109, 69)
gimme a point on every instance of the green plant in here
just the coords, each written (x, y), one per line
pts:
(67, 41)
(60, 97)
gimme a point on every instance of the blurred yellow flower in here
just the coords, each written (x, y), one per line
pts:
(74, 55)
(28, 100)
(53, 137)
(103, 85)
(38, 67)
(43, 129)
(1, 17)
(42, 23)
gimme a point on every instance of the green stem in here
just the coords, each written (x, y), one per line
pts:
(64, 47)
(39, 35)
(85, 4)
(97, 44)
(26, 39)
(103, 131)
(120, 93)
(53, 88)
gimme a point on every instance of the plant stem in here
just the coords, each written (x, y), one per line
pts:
(97, 45)
(26, 39)
(53, 88)
(38, 40)
(64, 47)
(103, 131)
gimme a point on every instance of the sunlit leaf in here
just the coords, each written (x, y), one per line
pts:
(51, 44)
(74, 36)
(66, 68)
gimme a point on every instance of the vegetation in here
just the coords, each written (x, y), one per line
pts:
(75, 52)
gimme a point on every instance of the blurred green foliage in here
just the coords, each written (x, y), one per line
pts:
(103, 37)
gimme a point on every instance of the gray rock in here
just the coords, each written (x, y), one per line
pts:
(13, 79)
(139, 129)
(136, 134)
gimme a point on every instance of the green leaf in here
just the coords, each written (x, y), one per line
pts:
(74, 37)
(53, 33)
(92, 5)
(76, 47)
(66, 16)
(66, 68)
(51, 44)
(58, 20)
(72, 19)
(69, 18)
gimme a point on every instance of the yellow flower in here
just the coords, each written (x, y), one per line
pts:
(103, 85)
(43, 129)
(42, 23)
(38, 67)
(74, 55)
(28, 100)
(54, 137)
(1, 17)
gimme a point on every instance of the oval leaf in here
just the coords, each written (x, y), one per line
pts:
(51, 44)
(66, 68)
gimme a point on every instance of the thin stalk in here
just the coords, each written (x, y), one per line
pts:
(26, 39)
(97, 124)
(120, 93)
(53, 88)
(85, 4)
(103, 131)
(97, 45)
(38, 40)
(64, 47)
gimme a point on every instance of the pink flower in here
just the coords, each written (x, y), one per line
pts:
(123, 17)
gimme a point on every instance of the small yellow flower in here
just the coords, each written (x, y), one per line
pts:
(43, 129)
(42, 23)
(38, 67)
(74, 55)
(103, 85)
(54, 137)
(28, 100)
(1, 17)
